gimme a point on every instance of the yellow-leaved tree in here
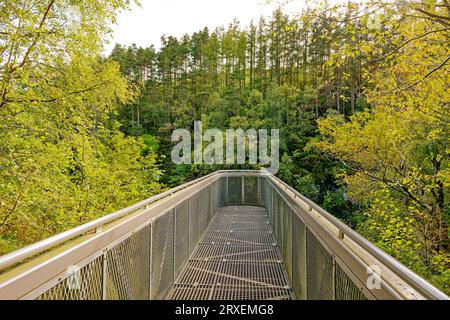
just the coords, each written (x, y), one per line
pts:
(398, 151)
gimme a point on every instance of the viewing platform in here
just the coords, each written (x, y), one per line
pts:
(231, 235)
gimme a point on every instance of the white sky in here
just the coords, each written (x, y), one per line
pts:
(145, 25)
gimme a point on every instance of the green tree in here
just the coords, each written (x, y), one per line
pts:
(63, 158)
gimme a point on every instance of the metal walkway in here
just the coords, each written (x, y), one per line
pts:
(229, 235)
(238, 258)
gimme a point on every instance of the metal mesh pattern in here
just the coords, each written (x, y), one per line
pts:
(128, 266)
(86, 284)
(208, 292)
(219, 252)
(275, 212)
(181, 249)
(233, 264)
(162, 255)
(190, 292)
(218, 194)
(251, 293)
(270, 201)
(319, 269)
(223, 192)
(264, 192)
(204, 214)
(236, 273)
(200, 273)
(234, 190)
(345, 289)
(299, 257)
(194, 231)
(212, 201)
(279, 221)
(251, 190)
(287, 239)
(239, 238)
(240, 226)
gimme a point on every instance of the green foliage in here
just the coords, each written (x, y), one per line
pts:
(63, 159)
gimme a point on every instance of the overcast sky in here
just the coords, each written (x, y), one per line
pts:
(145, 25)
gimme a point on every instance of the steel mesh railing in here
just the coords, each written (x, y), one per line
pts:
(145, 255)
(85, 284)
(145, 263)
(235, 190)
(319, 270)
(345, 288)
(310, 265)
(299, 257)
(251, 192)
(181, 244)
(127, 265)
(194, 230)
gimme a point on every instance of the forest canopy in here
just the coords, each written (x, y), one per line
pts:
(359, 91)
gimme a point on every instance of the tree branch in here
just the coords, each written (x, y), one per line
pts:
(429, 74)
(61, 97)
(38, 35)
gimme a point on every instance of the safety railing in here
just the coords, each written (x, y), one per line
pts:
(138, 252)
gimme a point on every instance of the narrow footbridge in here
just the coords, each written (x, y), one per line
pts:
(230, 235)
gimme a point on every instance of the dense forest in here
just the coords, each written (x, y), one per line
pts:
(359, 92)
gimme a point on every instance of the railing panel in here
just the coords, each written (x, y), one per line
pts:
(203, 211)
(251, 191)
(275, 213)
(287, 240)
(234, 190)
(299, 257)
(85, 284)
(345, 288)
(223, 191)
(128, 268)
(319, 270)
(215, 198)
(162, 255)
(210, 211)
(193, 222)
(279, 222)
(224, 197)
(270, 202)
(181, 243)
(264, 196)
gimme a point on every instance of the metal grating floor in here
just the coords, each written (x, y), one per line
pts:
(237, 259)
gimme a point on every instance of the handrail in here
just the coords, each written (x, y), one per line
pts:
(402, 271)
